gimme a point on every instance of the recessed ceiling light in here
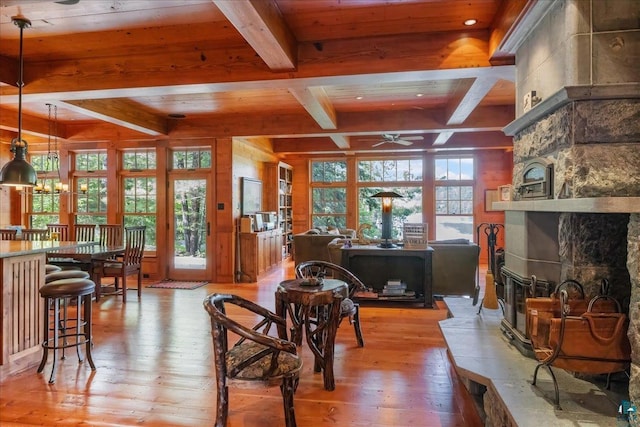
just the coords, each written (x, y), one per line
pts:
(419, 94)
(359, 97)
(470, 22)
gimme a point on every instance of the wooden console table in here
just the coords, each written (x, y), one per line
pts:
(374, 266)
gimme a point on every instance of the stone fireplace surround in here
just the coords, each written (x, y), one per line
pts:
(590, 230)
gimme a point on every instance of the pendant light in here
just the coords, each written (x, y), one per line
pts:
(18, 172)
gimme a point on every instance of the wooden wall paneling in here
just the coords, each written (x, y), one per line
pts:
(114, 201)
(162, 214)
(223, 219)
(494, 168)
(352, 195)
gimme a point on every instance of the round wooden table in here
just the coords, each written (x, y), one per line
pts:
(315, 311)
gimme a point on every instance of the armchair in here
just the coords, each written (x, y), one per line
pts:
(257, 358)
(348, 308)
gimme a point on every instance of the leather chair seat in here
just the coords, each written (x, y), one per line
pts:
(72, 287)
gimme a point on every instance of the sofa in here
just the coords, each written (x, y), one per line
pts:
(454, 264)
(312, 244)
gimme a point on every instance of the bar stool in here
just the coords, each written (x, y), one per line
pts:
(65, 274)
(50, 268)
(57, 331)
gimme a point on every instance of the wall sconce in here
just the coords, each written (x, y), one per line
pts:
(387, 197)
(18, 172)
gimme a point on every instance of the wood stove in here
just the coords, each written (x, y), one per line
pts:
(516, 290)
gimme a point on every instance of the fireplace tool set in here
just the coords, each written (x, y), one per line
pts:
(490, 299)
(568, 331)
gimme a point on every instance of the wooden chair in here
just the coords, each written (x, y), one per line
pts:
(111, 234)
(61, 229)
(85, 232)
(348, 308)
(130, 264)
(8, 234)
(35, 234)
(257, 358)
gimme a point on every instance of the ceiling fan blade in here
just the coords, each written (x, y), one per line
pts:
(403, 142)
(379, 143)
(413, 138)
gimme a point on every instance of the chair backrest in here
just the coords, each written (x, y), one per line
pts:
(322, 269)
(134, 245)
(34, 234)
(221, 324)
(62, 231)
(111, 234)
(85, 232)
(8, 233)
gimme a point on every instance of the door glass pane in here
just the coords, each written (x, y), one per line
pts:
(190, 224)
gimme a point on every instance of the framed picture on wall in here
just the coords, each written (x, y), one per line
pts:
(491, 196)
(251, 196)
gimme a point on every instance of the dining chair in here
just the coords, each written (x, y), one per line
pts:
(35, 234)
(256, 359)
(348, 308)
(111, 234)
(8, 233)
(61, 229)
(128, 265)
(84, 232)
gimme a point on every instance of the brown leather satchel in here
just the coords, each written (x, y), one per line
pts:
(579, 336)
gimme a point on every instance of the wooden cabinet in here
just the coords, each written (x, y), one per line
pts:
(374, 266)
(259, 252)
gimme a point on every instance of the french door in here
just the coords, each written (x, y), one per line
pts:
(189, 234)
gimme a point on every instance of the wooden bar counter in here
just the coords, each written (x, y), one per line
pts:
(22, 270)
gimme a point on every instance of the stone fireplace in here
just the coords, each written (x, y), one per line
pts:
(581, 58)
(589, 229)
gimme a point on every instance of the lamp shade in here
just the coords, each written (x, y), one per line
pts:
(18, 172)
(391, 194)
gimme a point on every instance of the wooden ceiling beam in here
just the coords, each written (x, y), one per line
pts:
(9, 70)
(360, 123)
(121, 112)
(480, 140)
(31, 125)
(317, 103)
(261, 24)
(340, 61)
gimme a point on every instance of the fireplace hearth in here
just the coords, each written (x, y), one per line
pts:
(516, 290)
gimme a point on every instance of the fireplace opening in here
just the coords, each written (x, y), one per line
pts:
(516, 290)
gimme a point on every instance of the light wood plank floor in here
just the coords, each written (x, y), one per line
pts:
(155, 368)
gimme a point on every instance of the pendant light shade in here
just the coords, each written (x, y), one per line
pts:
(18, 172)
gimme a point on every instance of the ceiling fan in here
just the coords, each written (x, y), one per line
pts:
(395, 139)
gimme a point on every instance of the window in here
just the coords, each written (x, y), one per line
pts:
(329, 193)
(90, 162)
(192, 158)
(139, 192)
(44, 199)
(404, 177)
(90, 198)
(454, 197)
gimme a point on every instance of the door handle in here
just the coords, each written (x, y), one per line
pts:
(208, 229)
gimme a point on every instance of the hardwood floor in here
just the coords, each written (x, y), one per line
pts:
(155, 368)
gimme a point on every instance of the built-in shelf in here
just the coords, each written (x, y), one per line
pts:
(584, 205)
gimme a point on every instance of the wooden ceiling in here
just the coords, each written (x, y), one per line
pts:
(305, 76)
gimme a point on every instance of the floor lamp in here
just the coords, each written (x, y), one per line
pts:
(387, 197)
